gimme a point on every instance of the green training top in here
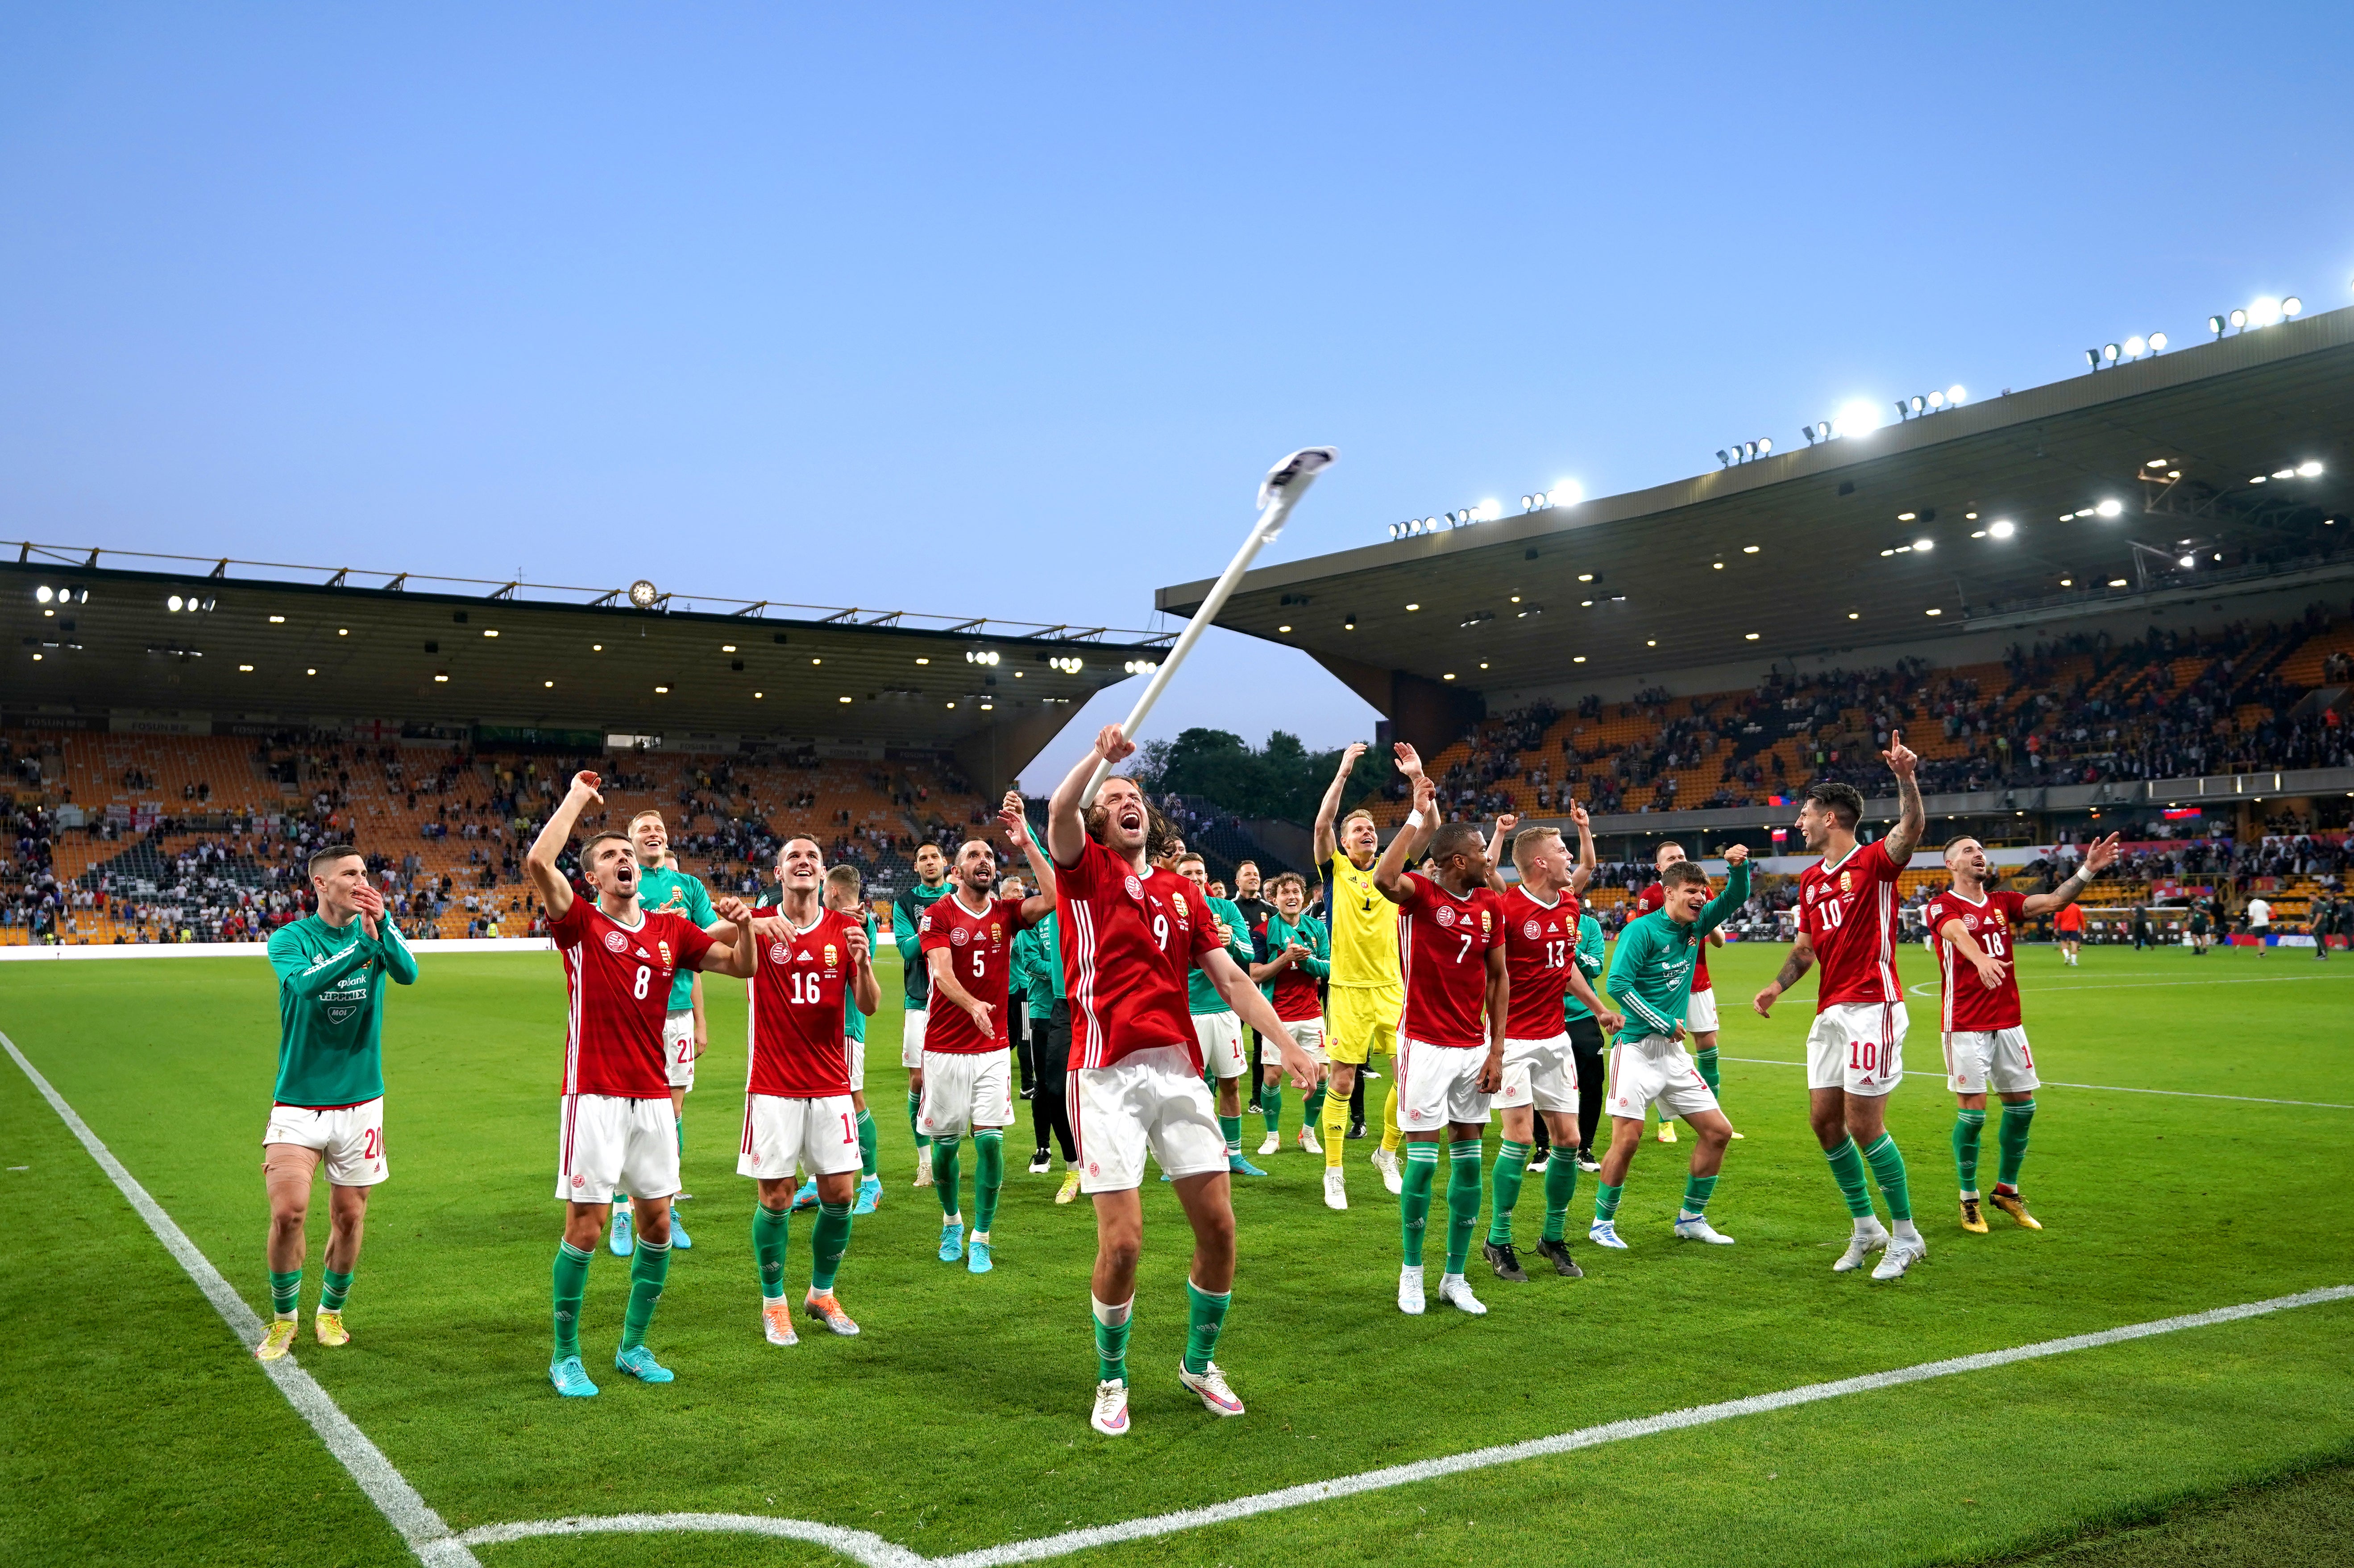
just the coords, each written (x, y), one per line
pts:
(1587, 956)
(683, 892)
(1651, 973)
(1038, 966)
(331, 1009)
(1309, 934)
(1201, 996)
(915, 979)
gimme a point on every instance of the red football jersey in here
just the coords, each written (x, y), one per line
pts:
(619, 977)
(1295, 998)
(1443, 944)
(800, 988)
(1970, 1007)
(980, 950)
(1540, 939)
(1849, 910)
(1653, 897)
(1130, 939)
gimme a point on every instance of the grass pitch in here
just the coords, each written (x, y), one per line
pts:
(132, 1430)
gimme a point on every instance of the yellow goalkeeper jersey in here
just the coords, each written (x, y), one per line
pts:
(1363, 922)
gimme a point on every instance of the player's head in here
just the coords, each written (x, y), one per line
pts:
(1360, 836)
(841, 889)
(931, 864)
(800, 865)
(1246, 884)
(608, 862)
(1194, 870)
(1119, 820)
(1541, 857)
(976, 867)
(1827, 809)
(337, 873)
(649, 838)
(1289, 893)
(1686, 886)
(1966, 859)
(1458, 850)
(1669, 854)
(1011, 888)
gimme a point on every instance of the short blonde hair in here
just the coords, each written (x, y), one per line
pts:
(1359, 811)
(649, 811)
(1527, 841)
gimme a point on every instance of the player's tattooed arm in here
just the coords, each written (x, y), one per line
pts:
(1910, 820)
(1991, 968)
(1503, 835)
(1584, 872)
(1801, 959)
(539, 861)
(1328, 810)
(1406, 845)
(2099, 856)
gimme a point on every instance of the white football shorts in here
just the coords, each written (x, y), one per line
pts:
(1220, 1035)
(1658, 1071)
(349, 1137)
(612, 1149)
(678, 1048)
(911, 1037)
(1998, 1060)
(857, 1062)
(818, 1136)
(1542, 1073)
(1307, 1033)
(1148, 1101)
(1438, 1085)
(963, 1093)
(1857, 1046)
(1700, 1012)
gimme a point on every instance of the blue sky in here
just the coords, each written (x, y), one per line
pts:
(1004, 310)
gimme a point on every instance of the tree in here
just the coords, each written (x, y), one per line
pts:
(1283, 779)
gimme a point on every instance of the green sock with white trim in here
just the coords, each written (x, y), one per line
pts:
(1205, 1317)
(1414, 1198)
(2011, 1138)
(1605, 1201)
(1968, 1127)
(1511, 1169)
(1111, 1336)
(988, 1176)
(571, 1283)
(828, 1242)
(1270, 1103)
(867, 1141)
(1561, 1190)
(649, 1268)
(1697, 1190)
(285, 1292)
(1847, 1170)
(946, 1176)
(914, 1105)
(1888, 1165)
(334, 1289)
(1462, 1202)
(1232, 1126)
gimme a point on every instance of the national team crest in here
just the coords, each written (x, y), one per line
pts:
(778, 953)
(1487, 921)
(1446, 916)
(1177, 900)
(925, 923)
(996, 934)
(830, 954)
(1531, 930)
(616, 942)
(664, 948)
(1847, 881)
(959, 935)
(1970, 922)
(1135, 888)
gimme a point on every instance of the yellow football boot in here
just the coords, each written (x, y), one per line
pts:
(331, 1330)
(1667, 1132)
(2015, 1205)
(1972, 1217)
(1070, 1187)
(278, 1340)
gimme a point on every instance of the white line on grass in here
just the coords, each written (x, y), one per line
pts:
(877, 1552)
(2107, 1088)
(420, 1527)
(1931, 988)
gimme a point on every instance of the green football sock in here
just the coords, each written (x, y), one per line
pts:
(678, 1126)
(1888, 1165)
(914, 1105)
(1696, 1195)
(1968, 1126)
(987, 1175)
(1462, 1202)
(1111, 1337)
(1414, 1197)
(1561, 1187)
(648, 1268)
(1605, 1201)
(1706, 1061)
(572, 1284)
(334, 1289)
(828, 1242)
(285, 1291)
(1270, 1103)
(1847, 1170)
(1205, 1316)
(865, 1143)
(1312, 1113)
(2011, 1138)
(1511, 1169)
(770, 1230)
(1232, 1126)
(945, 1175)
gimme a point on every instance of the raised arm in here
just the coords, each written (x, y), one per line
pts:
(539, 861)
(1328, 810)
(1584, 872)
(1801, 959)
(1505, 826)
(1012, 818)
(1725, 905)
(2099, 856)
(1066, 828)
(1389, 872)
(1906, 836)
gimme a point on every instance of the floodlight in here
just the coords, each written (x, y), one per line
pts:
(1936, 400)
(2116, 582)
(2187, 561)
(1808, 432)
(2239, 319)
(2109, 352)
(45, 593)
(2110, 507)
(2216, 325)
(2093, 357)
(1917, 403)
(2136, 346)
(173, 604)
(2263, 311)
(2309, 468)
(643, 594)
(2291, 305)
(2001, 528)
(2283, 474)
(1955, 395)
(1566, 493)
(2157, 342)
(1764, 445)
(1723, 461)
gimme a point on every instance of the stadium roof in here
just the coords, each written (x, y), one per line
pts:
(293, 644)
(1815, 551)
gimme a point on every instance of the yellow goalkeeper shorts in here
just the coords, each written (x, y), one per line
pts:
(1361, 1022)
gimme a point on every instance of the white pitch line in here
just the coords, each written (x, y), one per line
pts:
(1931, 988)
(2107, 1088)
(420, 1527)
(876, 1553)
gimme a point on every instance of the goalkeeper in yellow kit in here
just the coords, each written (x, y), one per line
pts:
(1365, 992)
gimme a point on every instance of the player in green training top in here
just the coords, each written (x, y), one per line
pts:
(1216, 1026)
(915, 980)
(840, 893)
(1650, 979)
(330, 1095)
(686, 1035)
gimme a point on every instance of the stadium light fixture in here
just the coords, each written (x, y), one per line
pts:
(2110, 506)
(1856, 419)
(2309, 468)
(1937, 401)
(728, 647)
(2157, 342)
(173, 604)
(275, 620)
(1765, 446)
(1748, 549)
(1722, 458)
(1412, 606)
(2093, 357)
(2283, 474)
(1955, 395)
(1565, 493)
(1934, 612)
(2263, 311)
(489, 631)
(2136, 346)
(44, 594)
(2187, 561)
(2116, 582)
(1577, 658)
(310, 672)
(1854, 615)
(2109, 352)
(1749, 637)
(441, 678)
(2216, 325)
(245, 668)
(1925, 545)
(1906, 516)
(2291, 305)
(2239, 320)
(2001, 528)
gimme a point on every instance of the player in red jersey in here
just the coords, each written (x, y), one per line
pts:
(1540, 916)
(1855, 1051)
(967, 939)
(1971, 928)
(1451, 952)
(1130, 932)
(615, 1128)
(812, 963)
(1699, 1023)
